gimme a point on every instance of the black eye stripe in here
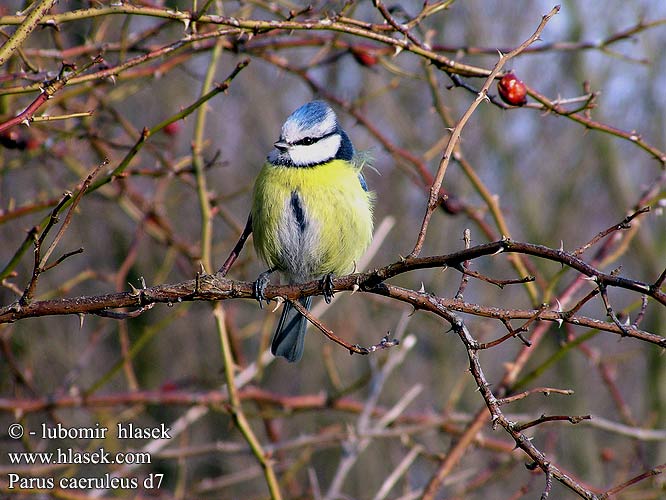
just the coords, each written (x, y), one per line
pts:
(307, 141)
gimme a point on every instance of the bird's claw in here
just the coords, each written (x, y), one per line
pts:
(327, 285)
(259, 287)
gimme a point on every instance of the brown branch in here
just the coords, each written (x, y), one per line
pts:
(622, 35)
(498, 418)
(210, 287)
(550, 418)
(48, 90)
(434, 304)
(340, 24)
(655, 471)
(464, 268)
(384, 343)
(37, 242)
(660, 280)
(396, 26)
(40, 264)
(549, 484)
(546, 391)
(113, 72)
(237, 248)
(433, 200)
(591, 124)
(506, 245)
(609, 310)
(511, 335)
(64, 256)
(582, 302)
(494, 281)
(624, 224)
(27, 209)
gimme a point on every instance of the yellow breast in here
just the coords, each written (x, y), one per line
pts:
(310, 221)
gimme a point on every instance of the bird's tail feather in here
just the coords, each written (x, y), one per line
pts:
(290, 332)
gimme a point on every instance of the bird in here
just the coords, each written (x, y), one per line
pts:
(312, 213)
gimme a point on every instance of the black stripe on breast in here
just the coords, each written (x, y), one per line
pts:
(299, 213)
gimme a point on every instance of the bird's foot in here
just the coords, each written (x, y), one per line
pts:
(327, 285)
(260, 285)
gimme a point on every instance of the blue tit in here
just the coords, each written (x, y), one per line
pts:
(311, 213)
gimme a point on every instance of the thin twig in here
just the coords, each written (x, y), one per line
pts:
(28, 24)
(40, 259)
(457, 130)
(236, 409)
(494, 281)
(549, 484)
(546, 391)
(360, 440)
(498, 418)
(384, 343)
(237, 248)
(550, 418)
(464, 267)
(49, 89)
(70, 213)
(611, 313)
(655, 471)
(624, 224)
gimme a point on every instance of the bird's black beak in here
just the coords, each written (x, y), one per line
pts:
(281, 146)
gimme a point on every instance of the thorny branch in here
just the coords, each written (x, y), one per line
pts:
(498, 417)
(384, 343)
(27, 24)
(212, 287)
(49, 89)
(625, 224)
(41, 260)
(433, 200)
(659, 469)
(259, 30)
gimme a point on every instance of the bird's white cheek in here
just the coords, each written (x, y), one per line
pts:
(320, 151)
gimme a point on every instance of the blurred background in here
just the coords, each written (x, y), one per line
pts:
(556, 183)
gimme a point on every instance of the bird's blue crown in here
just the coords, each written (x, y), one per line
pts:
(311, 136)
(311, 114)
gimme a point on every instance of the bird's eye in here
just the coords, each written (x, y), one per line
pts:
(306, 141)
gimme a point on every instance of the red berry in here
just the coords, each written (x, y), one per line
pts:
(364, 56)
(607, 454)
(32, 143)
(512, 90)
(13, 139)
(172, 128)
(169, 386)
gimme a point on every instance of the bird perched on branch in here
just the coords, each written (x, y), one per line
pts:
(311, 214)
